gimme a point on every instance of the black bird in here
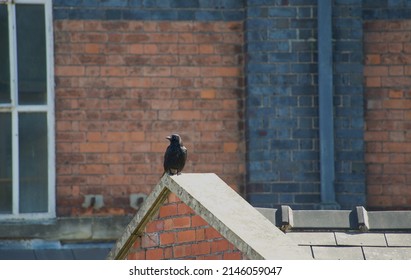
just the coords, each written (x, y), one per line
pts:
(175, 155)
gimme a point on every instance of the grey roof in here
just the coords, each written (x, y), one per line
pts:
(352, 246)
(54, 254)
(347, 234)
(71, 229)
(46, 250)
(63, 238)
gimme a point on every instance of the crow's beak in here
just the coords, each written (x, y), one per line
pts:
(168, 137)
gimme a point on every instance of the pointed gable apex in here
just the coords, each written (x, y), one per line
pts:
(223, 209)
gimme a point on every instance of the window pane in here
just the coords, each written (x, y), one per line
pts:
(33, 195)
(31, 54)
(5, 164)
(4, 56)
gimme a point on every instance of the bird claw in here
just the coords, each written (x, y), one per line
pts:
(171, 173)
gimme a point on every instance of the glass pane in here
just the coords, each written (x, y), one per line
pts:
(33, 195)
(31, 54)
(4, 56)
(5, 164)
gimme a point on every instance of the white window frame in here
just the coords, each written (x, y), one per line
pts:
(14, 108)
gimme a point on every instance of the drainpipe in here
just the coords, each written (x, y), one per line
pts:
(326, 114)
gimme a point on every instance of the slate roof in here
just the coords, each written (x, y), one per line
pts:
(63, 238)
(346, 234)
(44, 250)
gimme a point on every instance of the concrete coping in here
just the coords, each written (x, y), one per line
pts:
(357, 219)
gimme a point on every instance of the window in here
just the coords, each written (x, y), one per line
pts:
(27, 165)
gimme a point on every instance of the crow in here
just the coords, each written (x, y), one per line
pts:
(175, 156)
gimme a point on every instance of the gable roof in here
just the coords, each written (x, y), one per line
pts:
(222, 208)
(265, 233)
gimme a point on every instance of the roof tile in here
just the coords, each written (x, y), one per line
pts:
(313, 238)
(337, 253)
(360, 239)
(389, 253)
(398, 239)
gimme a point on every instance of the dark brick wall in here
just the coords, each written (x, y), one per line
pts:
(282, 104)
(386, 9)
(199, 10)
(349, 103)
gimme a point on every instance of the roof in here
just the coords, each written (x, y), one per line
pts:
(37, 249)
(63, 238)
(346, 234)
(334, 245)
(222, 208)
(262, 233)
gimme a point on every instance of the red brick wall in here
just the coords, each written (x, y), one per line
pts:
(388, 113)
(176, 232)
(122, 86)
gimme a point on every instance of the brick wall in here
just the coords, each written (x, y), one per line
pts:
(172, 10)
(282, 136)
(350, 170)
(176, 232)
(122, 86)
(386, 10)
(388, 118)
(130, 72)
(282, 104)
